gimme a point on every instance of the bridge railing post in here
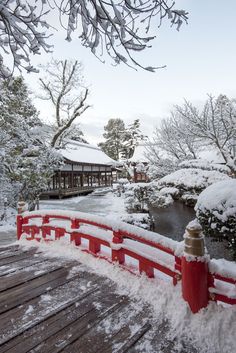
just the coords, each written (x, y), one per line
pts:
(194, 268)
(19, 222)
(117, 253)
(75, 237)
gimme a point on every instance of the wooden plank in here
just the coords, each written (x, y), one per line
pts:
(30, 273)
(19, 265)
(29, 314)
(10, 252)
(16, 296)
(35, 335)
(21, 256)
(58, 342)
(9, 247)
(156, 340)
(120, 328)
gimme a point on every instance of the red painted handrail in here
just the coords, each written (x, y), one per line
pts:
(116, 243)
(116, 239)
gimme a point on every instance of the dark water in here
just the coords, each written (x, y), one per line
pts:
(172, 221)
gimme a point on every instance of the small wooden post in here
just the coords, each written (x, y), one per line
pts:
(194, 268)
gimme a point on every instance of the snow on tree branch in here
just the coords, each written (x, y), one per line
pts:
(118, 28)
(23, 32)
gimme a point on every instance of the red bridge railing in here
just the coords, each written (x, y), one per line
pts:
(135, 249)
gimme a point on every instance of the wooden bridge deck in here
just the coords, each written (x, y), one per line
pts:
(56, 305)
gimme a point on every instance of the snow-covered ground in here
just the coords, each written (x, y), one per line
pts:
(106, 205)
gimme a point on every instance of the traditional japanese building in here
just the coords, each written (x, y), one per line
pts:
(86, 168)
(138, 165)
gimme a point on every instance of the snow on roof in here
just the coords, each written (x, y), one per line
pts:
(139, 155)
(85, 153)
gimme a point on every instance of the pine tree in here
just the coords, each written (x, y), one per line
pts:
(132, 138)
(114, 135)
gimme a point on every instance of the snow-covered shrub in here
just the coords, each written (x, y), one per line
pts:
(216, 212)
(136, 197)
(161, 197)
(189, 199)
(119, 186)
(142, 220)
(183, 184)
(204, 165)
(192, 179)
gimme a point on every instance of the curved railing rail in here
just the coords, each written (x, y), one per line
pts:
(135, 249)
(151, 251)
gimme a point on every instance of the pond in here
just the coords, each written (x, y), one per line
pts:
(172, 221)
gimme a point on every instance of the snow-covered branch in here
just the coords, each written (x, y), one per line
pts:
(118, 28)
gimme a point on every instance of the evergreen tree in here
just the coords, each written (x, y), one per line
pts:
(27, 161)
(132, 138)
(114, 135)
(121, 141)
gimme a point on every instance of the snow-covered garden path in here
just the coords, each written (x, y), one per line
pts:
(107, 204)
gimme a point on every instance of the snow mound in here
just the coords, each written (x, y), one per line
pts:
(204, 165)
(220, 196)
(192, 178)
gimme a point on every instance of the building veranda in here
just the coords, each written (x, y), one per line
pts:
(85, 168)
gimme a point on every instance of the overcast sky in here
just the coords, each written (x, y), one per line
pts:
(200, 59)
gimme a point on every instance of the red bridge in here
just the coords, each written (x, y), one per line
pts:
(54, 305)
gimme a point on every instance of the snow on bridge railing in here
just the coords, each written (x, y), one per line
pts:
(139, 250)
(129, 245)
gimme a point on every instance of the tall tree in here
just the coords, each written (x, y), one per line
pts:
(132, 138)
(173, 139)
(28, 162)
(63, 86)
(114, 135)
(119, 28)
(214, 125)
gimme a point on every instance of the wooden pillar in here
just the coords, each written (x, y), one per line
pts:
(105, 178)
(59, 182)
(72, 177)
(91, 175)
(111, 180)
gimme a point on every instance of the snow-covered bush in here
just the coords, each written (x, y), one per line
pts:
(204, 165)
(161, 197)
(119, 186)
(136, 197)
(142, 220)
(184, 185)
(216, 212)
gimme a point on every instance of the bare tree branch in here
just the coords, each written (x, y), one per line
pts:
(66, 92)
